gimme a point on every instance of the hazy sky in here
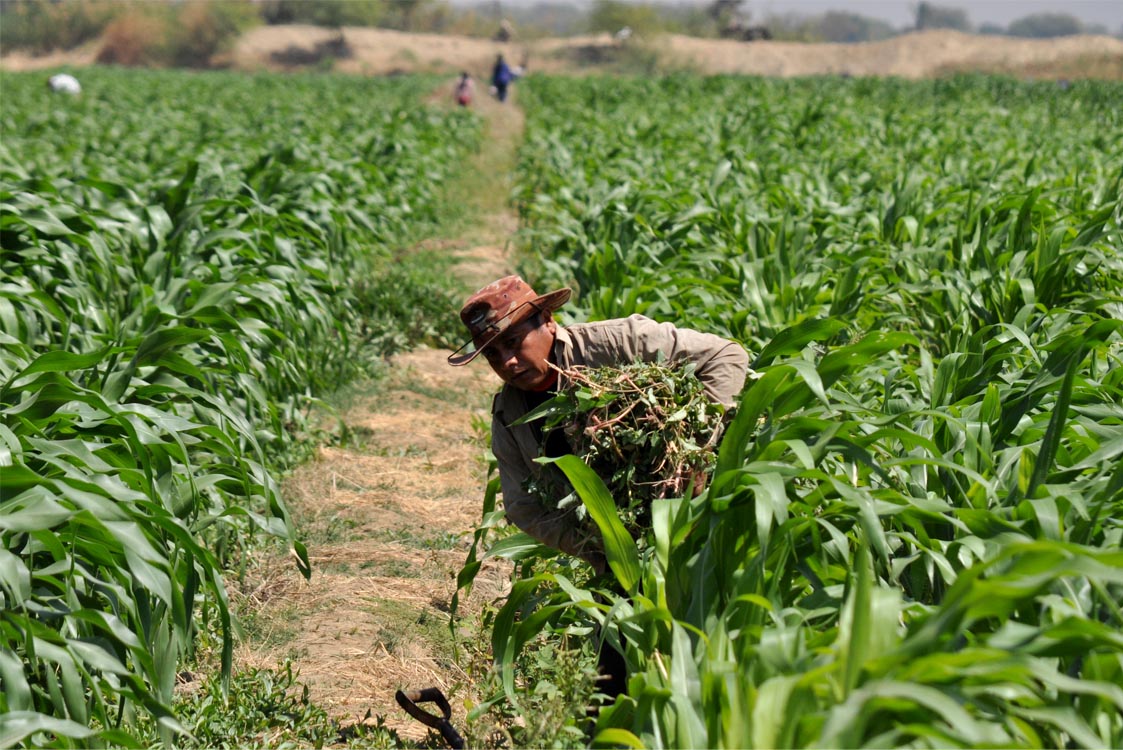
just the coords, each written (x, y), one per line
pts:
(901, 13)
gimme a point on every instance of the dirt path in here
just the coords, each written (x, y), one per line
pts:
(388, 525)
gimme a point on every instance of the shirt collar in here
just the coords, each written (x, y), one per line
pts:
(563, 348)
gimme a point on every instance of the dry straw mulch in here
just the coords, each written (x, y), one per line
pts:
(387, 526)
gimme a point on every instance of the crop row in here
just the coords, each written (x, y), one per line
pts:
(187, 262)
(912, 535)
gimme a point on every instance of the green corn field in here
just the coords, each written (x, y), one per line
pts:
(912, 536)
(177, 285)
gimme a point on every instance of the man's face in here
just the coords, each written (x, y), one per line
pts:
(520, 354)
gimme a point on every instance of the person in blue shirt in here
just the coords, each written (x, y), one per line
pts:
(501, 77)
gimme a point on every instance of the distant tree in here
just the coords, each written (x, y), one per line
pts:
(199, 30)
(543, 19)
(686, 18)
(323, 12)
(727, 15)
(1045, 26)
(612, 15)
(724, 11)
(793, 27)
(412, 15)
(836, 26)
(994, 29)
(932, 16)
(43, 25)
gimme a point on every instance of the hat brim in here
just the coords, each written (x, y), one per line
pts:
(550, 301)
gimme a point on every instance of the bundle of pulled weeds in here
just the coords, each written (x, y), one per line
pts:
(647, 429)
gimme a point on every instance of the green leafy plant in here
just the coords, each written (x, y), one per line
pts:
(558, 684)
(174, 304)
(261, 708)
(911, 533)
(648, 430)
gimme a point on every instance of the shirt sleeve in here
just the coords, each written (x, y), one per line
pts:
(560, 529)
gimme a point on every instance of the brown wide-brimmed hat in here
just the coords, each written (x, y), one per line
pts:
(498, 306)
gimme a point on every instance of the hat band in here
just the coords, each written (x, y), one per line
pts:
(543, 303)
(462, 357)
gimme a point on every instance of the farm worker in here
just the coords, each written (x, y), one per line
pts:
(501, 77)
(514, 329)
(463, 90)
(64, 83)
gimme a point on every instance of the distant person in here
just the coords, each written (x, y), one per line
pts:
(64, 83)
(464, 88)
(501, 77)
(505, 32)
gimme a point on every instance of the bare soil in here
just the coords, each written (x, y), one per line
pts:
(369, 51)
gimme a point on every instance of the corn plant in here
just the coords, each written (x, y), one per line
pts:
(911, 535)
(177, 273)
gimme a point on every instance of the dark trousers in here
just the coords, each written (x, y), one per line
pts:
(611, 665)
(613, 671)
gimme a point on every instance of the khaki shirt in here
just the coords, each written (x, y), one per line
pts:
(720, 364)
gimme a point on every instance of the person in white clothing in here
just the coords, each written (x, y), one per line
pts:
(64, 83)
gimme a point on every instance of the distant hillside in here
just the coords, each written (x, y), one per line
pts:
(369, 51)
